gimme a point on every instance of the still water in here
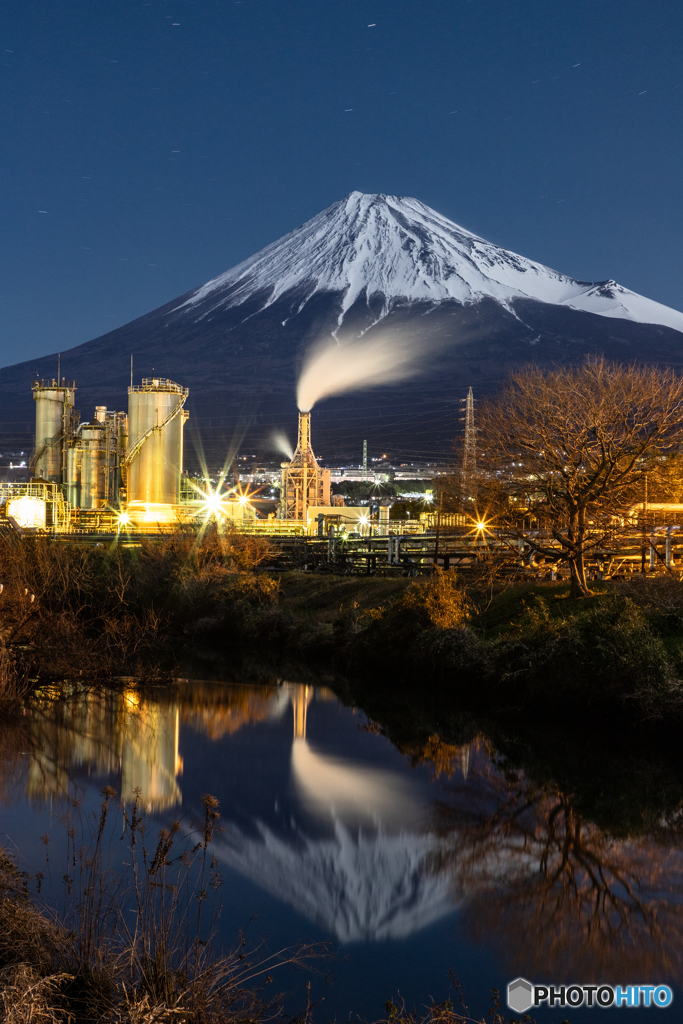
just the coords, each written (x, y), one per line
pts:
(413, 867)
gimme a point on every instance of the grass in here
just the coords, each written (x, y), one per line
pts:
(138, 948)
(324, 597)
(67, 611)
(92, 944)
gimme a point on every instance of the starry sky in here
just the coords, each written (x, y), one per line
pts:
(146, 147)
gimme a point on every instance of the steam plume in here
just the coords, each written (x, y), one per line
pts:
(280, 442)
(331, 368)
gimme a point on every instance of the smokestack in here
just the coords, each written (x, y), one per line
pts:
(303, 447)
(303, 481)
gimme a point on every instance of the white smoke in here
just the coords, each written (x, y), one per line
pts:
(332, 367)
(281, 444)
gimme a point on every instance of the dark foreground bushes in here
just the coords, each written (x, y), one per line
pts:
(68, 610)
(611, 650)
(608, 651)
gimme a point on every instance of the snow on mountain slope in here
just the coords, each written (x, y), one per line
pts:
(402, 249)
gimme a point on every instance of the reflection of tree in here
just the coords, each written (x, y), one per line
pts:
(555, 893)
(443, 758)
(219, 711)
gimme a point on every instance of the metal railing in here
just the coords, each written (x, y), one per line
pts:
(49, 383)
(159, 384)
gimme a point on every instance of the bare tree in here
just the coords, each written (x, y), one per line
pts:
(571, 447)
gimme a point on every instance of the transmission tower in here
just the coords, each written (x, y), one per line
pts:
(469, 454)
(365, 459)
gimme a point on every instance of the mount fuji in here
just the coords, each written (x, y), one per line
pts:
(368, 263)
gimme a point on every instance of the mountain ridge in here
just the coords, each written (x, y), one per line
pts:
(437, 260)
(238, 340)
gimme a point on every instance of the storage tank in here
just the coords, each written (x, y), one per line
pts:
(54, 402)
(155, 430)
(93, 465)
(73, 475)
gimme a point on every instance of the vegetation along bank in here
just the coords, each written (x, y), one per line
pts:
(70, 611)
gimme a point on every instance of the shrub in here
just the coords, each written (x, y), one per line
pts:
(603, 651)
(458, 648)
(439, 602)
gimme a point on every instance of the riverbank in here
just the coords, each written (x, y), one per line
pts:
(437, 665)
(70, 612)
(527, 647)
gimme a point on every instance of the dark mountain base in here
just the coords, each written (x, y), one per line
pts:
(241, 364)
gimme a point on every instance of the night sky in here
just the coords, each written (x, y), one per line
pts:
(148, 146)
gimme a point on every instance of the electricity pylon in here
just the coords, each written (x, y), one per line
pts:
(469, 453)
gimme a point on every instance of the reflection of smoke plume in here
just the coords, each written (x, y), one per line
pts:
(333, 367)
(281, 444)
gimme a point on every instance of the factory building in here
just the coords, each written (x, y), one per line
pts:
(123, 471)
(154, 459)
(95, 460)
(156, 416)
(86, 458)
(131, 462)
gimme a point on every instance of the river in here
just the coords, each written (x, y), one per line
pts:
(418, 866)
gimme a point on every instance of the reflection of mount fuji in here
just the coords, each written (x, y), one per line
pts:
(346, 845)
(355, 884)
(366, 877)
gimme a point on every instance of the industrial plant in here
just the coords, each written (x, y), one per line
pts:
(121, 474)
(128, 464)
(122, 471)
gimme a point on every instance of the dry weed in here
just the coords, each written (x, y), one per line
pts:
(27, 998)
(440, 601)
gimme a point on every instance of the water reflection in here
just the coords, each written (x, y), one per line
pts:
(131, 735)
(370, 852)
(106, 733)
(353, 857)
(555, 893)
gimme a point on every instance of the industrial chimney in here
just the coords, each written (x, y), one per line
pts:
(303, 482)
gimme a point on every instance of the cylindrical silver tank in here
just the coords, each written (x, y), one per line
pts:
(155, 435)
(93, 465)
(54, 401)
(73, 476)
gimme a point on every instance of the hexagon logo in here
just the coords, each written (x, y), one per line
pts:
(520, 995)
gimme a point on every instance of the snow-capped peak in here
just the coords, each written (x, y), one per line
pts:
(397, 246)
